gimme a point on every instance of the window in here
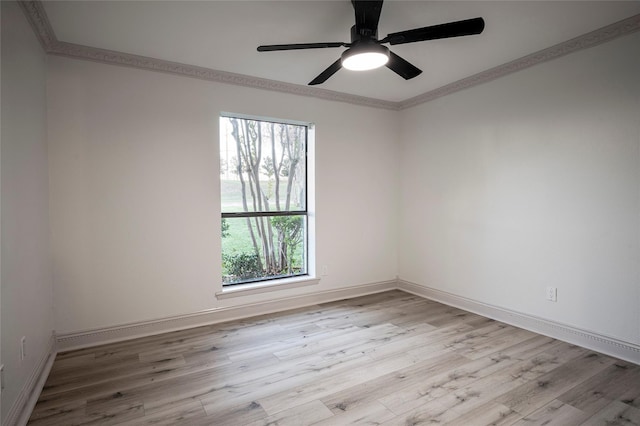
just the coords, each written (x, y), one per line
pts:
(263, 176)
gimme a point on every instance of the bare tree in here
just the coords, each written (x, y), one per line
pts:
(270, 156)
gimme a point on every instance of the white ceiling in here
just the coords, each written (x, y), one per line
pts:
(223, 35)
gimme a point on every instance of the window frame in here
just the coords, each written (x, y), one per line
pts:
(282, 281)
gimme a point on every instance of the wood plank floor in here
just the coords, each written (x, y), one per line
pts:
(384, 359)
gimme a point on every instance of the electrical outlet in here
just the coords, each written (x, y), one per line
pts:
(552, 294)
(324, 270)
(23, 348)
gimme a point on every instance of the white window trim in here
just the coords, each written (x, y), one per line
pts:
(260, 287)
(264, 286)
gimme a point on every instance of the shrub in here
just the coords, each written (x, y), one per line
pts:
(242, 265)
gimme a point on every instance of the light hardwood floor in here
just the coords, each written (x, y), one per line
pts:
(384, 359)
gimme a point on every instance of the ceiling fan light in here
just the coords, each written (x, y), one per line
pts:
(366, 58)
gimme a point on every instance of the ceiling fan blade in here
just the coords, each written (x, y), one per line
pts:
(401, 67)
(367, 16)
(324, 75)
(274, 47)
(451, 29)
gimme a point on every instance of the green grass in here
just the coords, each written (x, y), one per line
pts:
(239, 238)
(239, 241)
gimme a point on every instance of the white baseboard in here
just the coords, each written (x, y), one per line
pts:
(21, 409)
(70, 341)
(587, 339)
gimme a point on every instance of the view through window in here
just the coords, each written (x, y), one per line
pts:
(264, 199)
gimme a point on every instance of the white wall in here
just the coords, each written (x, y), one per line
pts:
(26, 272)
(134, 184)
(529, 181)
(1, 206)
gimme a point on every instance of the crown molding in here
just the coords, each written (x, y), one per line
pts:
(78, 51)
(585, 41)
(37, 17)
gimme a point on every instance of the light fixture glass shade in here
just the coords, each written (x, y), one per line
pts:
(365, 57)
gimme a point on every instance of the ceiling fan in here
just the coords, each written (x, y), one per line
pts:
(366, 51)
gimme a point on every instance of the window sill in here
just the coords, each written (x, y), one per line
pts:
(264, 287)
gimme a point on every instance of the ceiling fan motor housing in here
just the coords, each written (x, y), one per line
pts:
(364, 34)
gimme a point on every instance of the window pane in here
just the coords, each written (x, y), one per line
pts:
(262, 166)
(260, 248)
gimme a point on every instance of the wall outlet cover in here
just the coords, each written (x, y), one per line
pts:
(23, 348)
